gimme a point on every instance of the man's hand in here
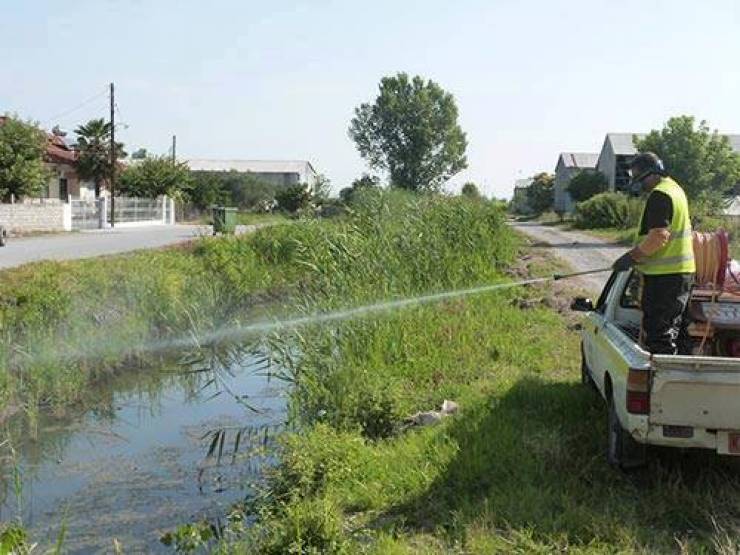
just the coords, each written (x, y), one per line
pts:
(624, 262)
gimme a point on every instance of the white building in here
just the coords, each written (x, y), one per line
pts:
(277, 172)
(569, 165)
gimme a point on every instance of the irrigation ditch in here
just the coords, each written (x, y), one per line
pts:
(274, 372)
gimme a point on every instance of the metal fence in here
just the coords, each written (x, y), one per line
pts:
(85, 214)
(131, 209)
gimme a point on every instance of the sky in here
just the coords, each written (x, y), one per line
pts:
(280, 79)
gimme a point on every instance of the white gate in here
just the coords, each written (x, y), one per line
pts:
(86, 214)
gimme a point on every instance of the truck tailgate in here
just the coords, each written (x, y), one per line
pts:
(701, 392)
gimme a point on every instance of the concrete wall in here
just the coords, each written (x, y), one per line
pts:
(36, 215)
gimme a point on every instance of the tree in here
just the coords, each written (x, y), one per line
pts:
(702, 161)
(411, 131)
(22, 148)
(365, 182)
(139, 154)
(155, 176)
(208, 189)
(586, 184)
(540, 194)
(95, 153)
(321, 188)
(470, 190)
(293, 198)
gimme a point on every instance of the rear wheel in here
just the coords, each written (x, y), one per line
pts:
(622, 450)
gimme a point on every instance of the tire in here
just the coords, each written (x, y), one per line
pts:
(622, 450)
(3, 235)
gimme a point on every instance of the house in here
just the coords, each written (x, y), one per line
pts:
(61, 161)
(569, 165)
(520, 200)
(615, 157)
(277, 172)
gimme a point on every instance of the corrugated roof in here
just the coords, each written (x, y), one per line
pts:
(254, 166)
(622, 142)
(579, 159)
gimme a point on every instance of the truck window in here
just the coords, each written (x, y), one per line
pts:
(601, 303)
(632, 292)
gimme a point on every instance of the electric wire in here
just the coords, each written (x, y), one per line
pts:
(75, 108)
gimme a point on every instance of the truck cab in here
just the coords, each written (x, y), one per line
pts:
(669, 400)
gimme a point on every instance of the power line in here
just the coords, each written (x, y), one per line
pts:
(77, 107)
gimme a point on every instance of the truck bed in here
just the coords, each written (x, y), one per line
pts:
(698, 392)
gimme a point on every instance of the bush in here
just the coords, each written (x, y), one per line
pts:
(587, 184)
(294, 198)
(604, 210)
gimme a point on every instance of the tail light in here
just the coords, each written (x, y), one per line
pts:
(638, 391)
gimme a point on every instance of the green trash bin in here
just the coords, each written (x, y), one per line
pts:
(224, 219)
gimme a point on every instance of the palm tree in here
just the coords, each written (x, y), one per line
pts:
(93, 142)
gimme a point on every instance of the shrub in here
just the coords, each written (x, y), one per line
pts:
(603, 210)
(294, 198)
(587, 184)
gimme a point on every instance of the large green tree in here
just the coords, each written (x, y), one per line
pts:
(701, 160)
(586, 184)
(93, 142)
(541, 193)
(155, 176)
(411, 131)
(470, 190)
(22, 170)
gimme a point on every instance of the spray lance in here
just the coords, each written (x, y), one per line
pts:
(266, 326)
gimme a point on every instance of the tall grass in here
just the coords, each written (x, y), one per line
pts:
(520, 469)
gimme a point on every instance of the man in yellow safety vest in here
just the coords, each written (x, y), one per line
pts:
(664, 254)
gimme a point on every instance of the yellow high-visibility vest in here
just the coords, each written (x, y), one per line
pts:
(677, 256)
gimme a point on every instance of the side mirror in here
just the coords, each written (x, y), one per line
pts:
(582, 304)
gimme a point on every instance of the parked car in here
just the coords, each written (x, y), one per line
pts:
(669, 400)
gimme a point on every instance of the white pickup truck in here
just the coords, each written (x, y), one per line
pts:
(667, 400)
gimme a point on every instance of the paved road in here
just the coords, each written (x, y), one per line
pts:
(580, 251)
(89, 244)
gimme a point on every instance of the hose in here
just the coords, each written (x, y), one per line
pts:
(711, 253)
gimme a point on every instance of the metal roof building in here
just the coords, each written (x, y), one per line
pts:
(278, 172)
(569, 164)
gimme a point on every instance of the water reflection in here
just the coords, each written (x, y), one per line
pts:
(164, 444)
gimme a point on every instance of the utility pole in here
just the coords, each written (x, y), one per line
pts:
(174, 148)
(112, 159)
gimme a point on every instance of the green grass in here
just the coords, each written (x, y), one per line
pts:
(519, 469)
(254, 218)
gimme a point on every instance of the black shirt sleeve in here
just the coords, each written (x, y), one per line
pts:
(658, 212)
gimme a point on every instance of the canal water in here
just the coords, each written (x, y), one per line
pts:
(136, 463)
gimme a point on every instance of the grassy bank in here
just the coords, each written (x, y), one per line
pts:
(519, 469)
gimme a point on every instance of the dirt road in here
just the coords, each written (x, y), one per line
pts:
(580, 251)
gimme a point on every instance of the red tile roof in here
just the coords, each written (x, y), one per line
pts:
(57, 150)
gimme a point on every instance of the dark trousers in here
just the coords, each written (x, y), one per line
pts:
(665, 301)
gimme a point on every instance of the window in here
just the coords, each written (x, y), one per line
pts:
(632, 292)
(63, 188)
(601, 303)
